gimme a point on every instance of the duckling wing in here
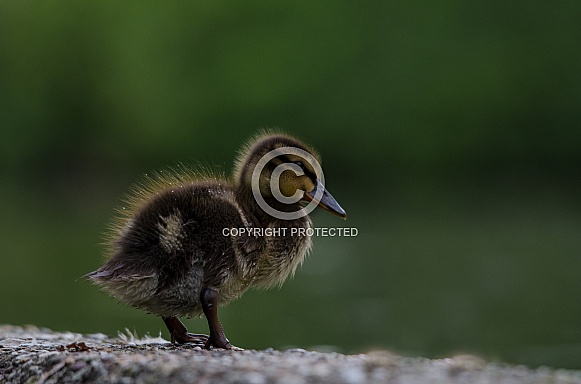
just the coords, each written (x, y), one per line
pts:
(174, 244)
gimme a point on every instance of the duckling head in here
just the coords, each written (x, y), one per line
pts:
(283, 172)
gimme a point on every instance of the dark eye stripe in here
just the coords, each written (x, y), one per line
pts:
(311, 175)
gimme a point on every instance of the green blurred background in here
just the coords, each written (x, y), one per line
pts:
(450, 133)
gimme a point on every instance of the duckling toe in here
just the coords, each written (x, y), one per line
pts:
(194, 338)
(221, 342)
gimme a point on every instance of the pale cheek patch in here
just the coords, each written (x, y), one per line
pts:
(307, 183)
(170, 233)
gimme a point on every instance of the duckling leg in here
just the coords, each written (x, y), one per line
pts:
(217, 339)
(179, 333)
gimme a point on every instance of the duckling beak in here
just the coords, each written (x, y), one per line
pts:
(326, 202)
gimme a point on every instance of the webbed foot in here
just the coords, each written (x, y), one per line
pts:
(179, 333)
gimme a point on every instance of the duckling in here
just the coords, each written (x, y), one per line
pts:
(171, 251)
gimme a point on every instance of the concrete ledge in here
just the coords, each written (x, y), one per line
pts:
(34, 355)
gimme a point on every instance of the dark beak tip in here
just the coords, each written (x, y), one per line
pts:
(336, 210)
(327, 201)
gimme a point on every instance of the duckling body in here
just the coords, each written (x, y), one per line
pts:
(171, 252)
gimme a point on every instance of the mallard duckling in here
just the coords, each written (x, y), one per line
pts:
(171, 250)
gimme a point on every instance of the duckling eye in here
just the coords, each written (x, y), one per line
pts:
(300, 164)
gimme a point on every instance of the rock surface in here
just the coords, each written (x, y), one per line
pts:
(33, 355)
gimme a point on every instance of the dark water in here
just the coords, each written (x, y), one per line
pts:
(433, 271)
